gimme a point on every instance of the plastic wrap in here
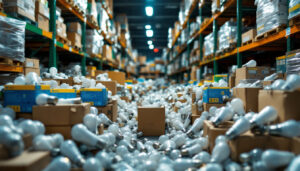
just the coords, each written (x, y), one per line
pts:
(293, 64)
(82, 4)
(215, 6)
(209, 44)
(270, 14)
(93, 42)
(294, 8)
(227, 35)
(12, 42)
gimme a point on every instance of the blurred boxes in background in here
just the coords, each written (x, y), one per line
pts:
(25, 8)
(249, 96)
(252, 73)
(31, 65)
(142, 60)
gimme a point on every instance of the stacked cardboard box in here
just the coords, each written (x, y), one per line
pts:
(92, 12)
(42, 14)
(31, 65)
(251, 73)
(249, 96)
(25, 8)
(110, 110)
(60, 118)
(107, 52)
(74, 34)
(119, 77)
(61, 28)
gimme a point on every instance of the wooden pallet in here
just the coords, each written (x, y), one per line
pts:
(78, 48)
(62, 40)
(7, 61)
(270, 32)
(1, 6)
(294, 21)
(248, 42)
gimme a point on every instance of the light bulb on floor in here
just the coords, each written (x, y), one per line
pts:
(69, 149)
(43, 99)
(92, 164)
(163, 138)
(290, 128)
(104, 119)
(190, 151)
(94, 110)
(33, 128)
(197, 125)
(5, 120)
(212, 167)
(59, 163)
(271, 77)
(91, 121)
(266, 115)
(168, 146)
(203, 156)
(239, 127)
(220, 152)
(276, 85)
(8, 111)
(12, 142)
(295, 164)
(275, 158)
(81, 134)
(179, 140)
(47, 142)
(105, 159)
(183, 164)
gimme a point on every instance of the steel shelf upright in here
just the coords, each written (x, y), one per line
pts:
(52, 28)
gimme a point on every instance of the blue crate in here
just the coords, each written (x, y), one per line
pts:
(215, 94)
(64, 93)
(95, 96)
(21, 98)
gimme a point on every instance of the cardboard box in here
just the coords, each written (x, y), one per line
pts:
(20, 11)
(231, 81)
(110, 85)
(258, 73)
(248, 142)
(42, 9)
(151, 121)
(142, 60)
(75, 39)
(32, 63)
(27, 161)
(249, 96)
(110, 110)
(74, 27)
(286, 103)
(107, 52)
(119, 77)
(43, 22)
(213, 132)
(27, 140)
(249, 36)
(63, 130)
(27, 70)
(24, 115)
(195, 110)
(207, 106)
(61, 115)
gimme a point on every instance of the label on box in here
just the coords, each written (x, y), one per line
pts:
(29, 64)
(252, 71)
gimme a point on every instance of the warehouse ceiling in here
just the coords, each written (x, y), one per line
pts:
(165, 14)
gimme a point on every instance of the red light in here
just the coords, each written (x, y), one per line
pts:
(156, 50)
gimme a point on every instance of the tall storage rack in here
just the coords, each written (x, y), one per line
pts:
(46, 41)
(236, 9)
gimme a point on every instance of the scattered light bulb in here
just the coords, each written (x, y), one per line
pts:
(122, 150)
(5, 120)
(47, 142)
(295, 164)
(94, 110)
(8, 111)
(167, 146)
(76, 100)
(292, 83)
(197, 125)
(220, 152)
(290, 128)
(104, 119)
(92, 164)
(81, 134)
(43, 99)
(141, 147)
(203, 156)
(212, 167)
(178, 125)
(191, 150)
(238, 106)
(225, 114)
(230, 166)
(32, 79)
(266, 115)
(20, 80)
(69, 149)
(277, 84)
(175, 154)
(105, 159)
(179, 140)
(91, 121)
(127, 144)
(183, 164)
(163, 138)
(239, 127)
(12, 142)
(34, 128)
(274, 158)
(59, 163)
(271, 77)
(251, 63)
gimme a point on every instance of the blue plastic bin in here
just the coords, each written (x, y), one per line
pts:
(215, 94)
(63, 93)
(21, 98)
(95, 96)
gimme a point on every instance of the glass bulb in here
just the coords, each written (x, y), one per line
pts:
(105, 159)
(43, 99)
(239, 127)
(212, 167)
(34, 128)
(190, 151)
(104, 119)
(251, 63)
(162, 139)
(178, 125)
(266, 115)
(295, 164)
(59, 163)
(92, 164)
(69, 149)
(5, 120)
(220, 152)
(141, 147)
(47, 142)
(292, 83)
(94, 110)
(238, 106)
(167, 146)
(20, 80)
(127, 144)
(290, 128)
(225, 114)
(203, 156)
(276, 85)
(231, 166)
(179, 140)
(91, 121)
(275, 159)
(109, 138)
(175, 154)
(271, 77)
(8, 111)
(183, 164)
(32, 78)
(81, 134)
(12, 142)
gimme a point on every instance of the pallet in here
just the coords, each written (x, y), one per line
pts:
(11, 62)
(226, 50)
(294, 21)
(248, 42)
(62, 40)
(270, 32)
(23, 18)
(78, 48)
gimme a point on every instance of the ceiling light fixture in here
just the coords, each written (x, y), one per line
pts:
(149, 42)
(151, 47)
(149, 11)
(149, 33)
(147, 27)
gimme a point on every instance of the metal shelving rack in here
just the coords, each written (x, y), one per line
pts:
(54, 46)
(212, 25)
